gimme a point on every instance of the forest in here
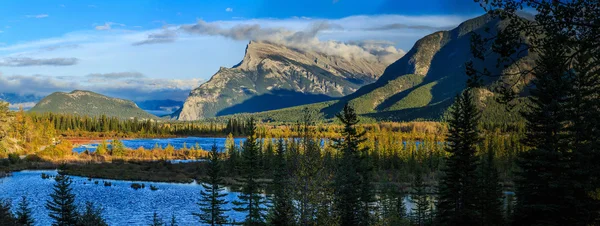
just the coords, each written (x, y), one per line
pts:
(461, 170)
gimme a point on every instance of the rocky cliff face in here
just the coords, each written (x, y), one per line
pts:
(273, 76)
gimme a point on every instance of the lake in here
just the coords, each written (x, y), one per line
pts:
(204, 142)
(122, 204)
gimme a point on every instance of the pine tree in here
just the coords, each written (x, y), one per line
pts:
(283, 207)
(392, 207)
(564, 115)
(350, 179)
(62, 205)
(308, 182)
(92, 216)
(490, 191)
(6, 216)
(156, 220)
(212, 201)
(539, 178)
(421, 211)
(173, 221)
(458, 187)
(23, 214)
(250, 200)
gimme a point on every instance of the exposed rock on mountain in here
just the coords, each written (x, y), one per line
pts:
(273, 76)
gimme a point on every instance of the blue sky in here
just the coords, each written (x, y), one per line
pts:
(152, 49)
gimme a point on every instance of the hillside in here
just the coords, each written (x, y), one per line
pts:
(273, 76)
(423, 83)
(91, 104)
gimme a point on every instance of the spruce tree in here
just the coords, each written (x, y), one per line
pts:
(91, 216)
(62, 204)
(250, 200)
(156, 220)
(23, 214)
(458, 187)
(283, 207)
(563, 117)
(6, 216)
(392, 208)
(421, 211)
(212, 200)
(308, 182)
(351, 177)
(543, 169)
(490, 194)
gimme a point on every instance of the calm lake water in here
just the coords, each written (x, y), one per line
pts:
(204, 142)
(122, 204)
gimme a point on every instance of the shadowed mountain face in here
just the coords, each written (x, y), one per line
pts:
(423, 83)
(91, 104)
(275, 99)
(273, 76)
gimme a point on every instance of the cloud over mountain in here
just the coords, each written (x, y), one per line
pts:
(304, 39)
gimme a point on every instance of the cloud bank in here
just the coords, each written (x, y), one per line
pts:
(26, 61)
(128, 85)
(304, 39)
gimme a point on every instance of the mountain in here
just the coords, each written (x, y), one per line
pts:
(423, 83)
(273, 76)
(160, 107)
(89, 103)
(17, 100)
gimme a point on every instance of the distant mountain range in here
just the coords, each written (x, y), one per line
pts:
(89, 103)
(160, 107)
(274, 82)
(18, 100)
(273, 76)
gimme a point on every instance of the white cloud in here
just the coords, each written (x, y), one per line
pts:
(108, 26)
(229, 10)
(39, 16)
(129, 88)
(26, 61)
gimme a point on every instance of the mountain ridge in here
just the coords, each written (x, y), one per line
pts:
(284, 76)
(83, 102)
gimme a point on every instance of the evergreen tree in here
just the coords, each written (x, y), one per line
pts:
(6, 216)
(351, 177)
(392, 207)
(212, 201)
(62, 204)
(23, 214)
(563, 117)
(458, 187)
(251, 201)
(420, 211)
(173, 221)
(309, 181)
(490, 191)
(92, 216)
(283, 207)
(156, 220)
(542, 168)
